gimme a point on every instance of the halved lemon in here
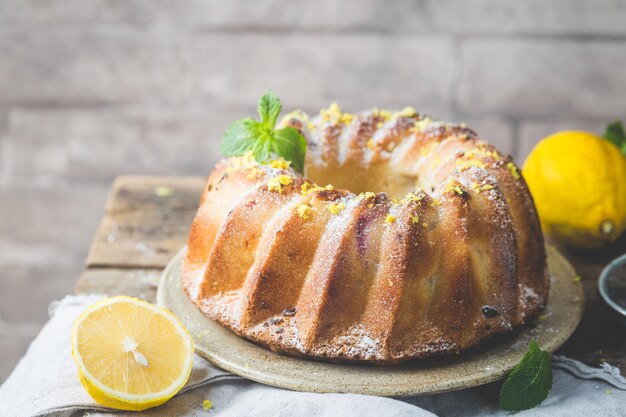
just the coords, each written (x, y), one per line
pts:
(131, 355)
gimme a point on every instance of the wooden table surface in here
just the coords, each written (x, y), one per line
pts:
(147, 220)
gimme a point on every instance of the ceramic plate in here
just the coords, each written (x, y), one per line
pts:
(480, 365)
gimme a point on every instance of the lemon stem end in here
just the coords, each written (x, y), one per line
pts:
(606, 227)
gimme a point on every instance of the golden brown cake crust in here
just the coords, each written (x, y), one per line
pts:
(439, 251)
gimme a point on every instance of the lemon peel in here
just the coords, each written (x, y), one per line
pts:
(120, 343)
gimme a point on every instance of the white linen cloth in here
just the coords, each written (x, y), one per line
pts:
(45, 383)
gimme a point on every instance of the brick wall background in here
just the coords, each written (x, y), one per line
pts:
(91, 88)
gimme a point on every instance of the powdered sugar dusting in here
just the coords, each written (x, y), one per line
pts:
(357, 342)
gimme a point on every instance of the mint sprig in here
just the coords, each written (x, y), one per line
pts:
(616, 134)
(529, 382)
(260, 137)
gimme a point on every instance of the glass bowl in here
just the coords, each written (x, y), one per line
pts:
(612, 284)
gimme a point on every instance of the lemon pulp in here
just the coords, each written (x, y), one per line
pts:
(130, 354)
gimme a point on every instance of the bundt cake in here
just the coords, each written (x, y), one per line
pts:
(426, 242)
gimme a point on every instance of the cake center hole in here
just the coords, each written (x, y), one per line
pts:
(359, 180)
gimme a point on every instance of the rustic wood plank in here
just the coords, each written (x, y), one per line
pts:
(134, 282)
(600, 336)
(146, 222)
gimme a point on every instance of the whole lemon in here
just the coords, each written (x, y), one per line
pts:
(578, 181)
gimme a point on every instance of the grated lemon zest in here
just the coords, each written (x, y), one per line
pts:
(308, 188)
(415, 219)
(383, 114)
(346, 118)
(363, 196)
(277, 183)
(481, 152)
(335, 208)
(280, 164)
(207, 405)
(305, 187)
(463, 165)
(390, 218)
(514, 170)
(406, 112)
(421, 125)
(254, 173)
(332, 113)
(478, 188)
(450, 186)
(304, 211)
(238, 163)
(413, 197)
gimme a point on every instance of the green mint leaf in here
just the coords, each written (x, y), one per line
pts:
(529, 382)
(269, 108)
(616, 134)
(240, 137)
(262, 147)
(291, 145)
(260, 138)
